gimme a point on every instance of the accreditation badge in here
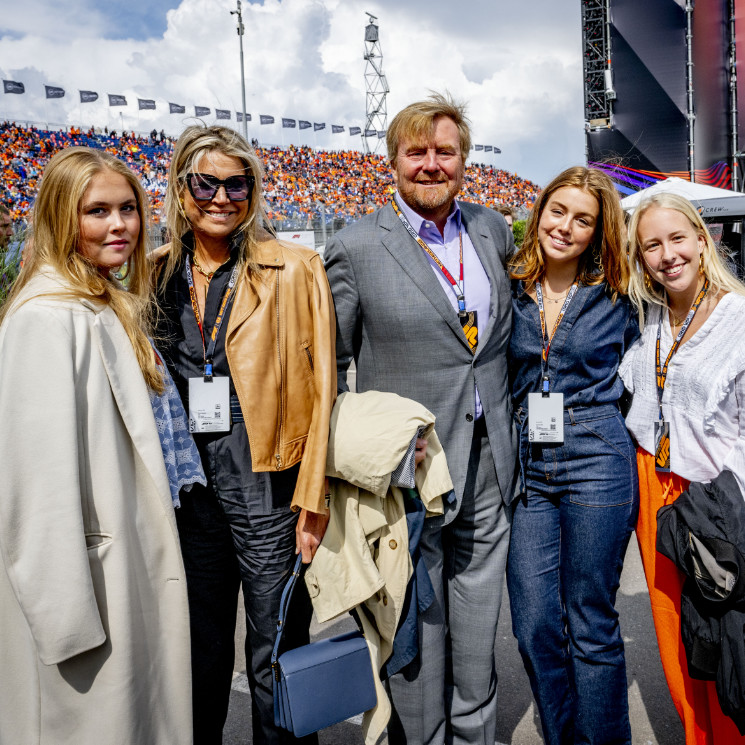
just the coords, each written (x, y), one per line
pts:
(471, 328)
(209, 404)
(662, 446)
(546, 418)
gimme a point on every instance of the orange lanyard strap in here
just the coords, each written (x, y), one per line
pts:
(661, 370)
(458, 288)
(546, 340)
(209, 351)
(542, 313)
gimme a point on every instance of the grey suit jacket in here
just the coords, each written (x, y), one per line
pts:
(395, 320)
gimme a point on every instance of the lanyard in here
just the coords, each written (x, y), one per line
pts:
(546, 340)
(458, 288)
(662, 370)
(209, 351)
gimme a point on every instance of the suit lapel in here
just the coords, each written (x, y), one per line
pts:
(483, 243)
(130, 393)
(412, 260)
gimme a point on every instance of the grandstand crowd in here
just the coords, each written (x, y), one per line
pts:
(301, 183)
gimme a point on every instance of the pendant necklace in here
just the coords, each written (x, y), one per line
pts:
(556, 299)
(207, 275)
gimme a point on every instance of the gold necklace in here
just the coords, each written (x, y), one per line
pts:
(677, 321)
(556, 299)
(207, 275)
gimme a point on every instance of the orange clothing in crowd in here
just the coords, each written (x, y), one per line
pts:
(695, 700)
(300, 183)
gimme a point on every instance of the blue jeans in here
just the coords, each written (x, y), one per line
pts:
(570, 529)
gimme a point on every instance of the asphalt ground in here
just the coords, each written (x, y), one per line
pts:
(654, 720)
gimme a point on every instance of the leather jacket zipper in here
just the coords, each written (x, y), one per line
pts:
(309, 357)
(277, 455)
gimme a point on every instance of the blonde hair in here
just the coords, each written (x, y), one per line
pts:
(195, 143)
(56, 242)
(417, 122)
(643, 289)
(604, 260)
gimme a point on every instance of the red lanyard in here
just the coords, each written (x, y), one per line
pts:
(209, 351)
(458, 289)
(661, 370)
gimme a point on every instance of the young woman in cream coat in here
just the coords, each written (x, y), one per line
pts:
(94, 631)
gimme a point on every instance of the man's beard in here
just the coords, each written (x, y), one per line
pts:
(429, 199)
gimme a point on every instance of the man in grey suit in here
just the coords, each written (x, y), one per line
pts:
(423, 307)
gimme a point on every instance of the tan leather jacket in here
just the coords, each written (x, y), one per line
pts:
(281, 350)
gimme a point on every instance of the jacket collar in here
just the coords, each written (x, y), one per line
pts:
(130, 392)
(268, 254)
(410, 256)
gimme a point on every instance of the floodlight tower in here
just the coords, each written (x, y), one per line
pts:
(599, 93)
(241, 30)
(376, 87)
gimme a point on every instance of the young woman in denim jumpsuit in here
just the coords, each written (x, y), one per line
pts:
(579, 494)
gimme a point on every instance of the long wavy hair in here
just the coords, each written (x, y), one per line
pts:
(56, 244)
(194, 144)
(643, 289)
(604, 260)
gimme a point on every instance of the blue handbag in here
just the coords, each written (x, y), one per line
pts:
(321, 683)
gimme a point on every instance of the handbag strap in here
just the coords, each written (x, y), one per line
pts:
(284, 605)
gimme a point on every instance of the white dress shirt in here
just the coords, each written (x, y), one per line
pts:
(476, 285)
(704, 395)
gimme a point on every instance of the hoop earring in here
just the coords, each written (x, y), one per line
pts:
(598, 260)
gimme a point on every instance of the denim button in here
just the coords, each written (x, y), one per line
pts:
(469, 417)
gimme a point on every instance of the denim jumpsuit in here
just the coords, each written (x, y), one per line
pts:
(573, 519)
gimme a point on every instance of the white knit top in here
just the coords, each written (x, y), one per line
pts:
(704, 397)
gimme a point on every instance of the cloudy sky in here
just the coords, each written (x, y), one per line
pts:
(517, 64)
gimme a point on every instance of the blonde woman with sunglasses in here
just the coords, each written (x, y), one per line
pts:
(247, 330)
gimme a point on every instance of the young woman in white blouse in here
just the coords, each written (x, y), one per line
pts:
(687, 375)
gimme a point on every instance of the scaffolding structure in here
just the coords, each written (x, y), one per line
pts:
(376, 87)
(599, 93)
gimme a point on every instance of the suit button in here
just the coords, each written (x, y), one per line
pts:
(393, 544)
(469, 417)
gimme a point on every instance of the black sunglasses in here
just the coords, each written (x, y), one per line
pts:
(203, 186)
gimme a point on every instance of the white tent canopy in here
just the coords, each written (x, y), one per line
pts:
(710, 201)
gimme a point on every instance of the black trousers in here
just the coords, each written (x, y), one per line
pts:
(225, 545)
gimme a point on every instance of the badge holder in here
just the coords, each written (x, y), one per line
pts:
(469, 322)
(209, 402)
(662, 446)
(546, 415)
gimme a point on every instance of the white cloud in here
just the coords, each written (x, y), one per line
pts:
(303, 59)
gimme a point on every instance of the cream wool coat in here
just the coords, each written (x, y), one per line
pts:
(94, 631)
(364, 559)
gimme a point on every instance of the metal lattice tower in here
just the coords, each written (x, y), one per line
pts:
(599, 93)
(376, 87)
